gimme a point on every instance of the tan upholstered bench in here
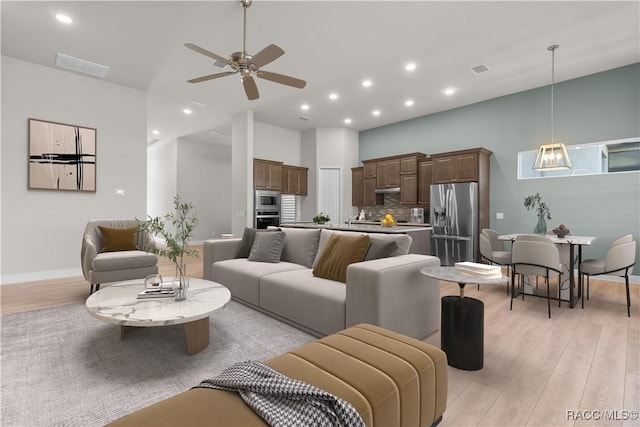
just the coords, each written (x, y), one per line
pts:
(390, 379)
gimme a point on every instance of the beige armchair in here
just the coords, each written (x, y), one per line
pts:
(104, 265)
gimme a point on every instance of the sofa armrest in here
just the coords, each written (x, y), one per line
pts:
(391, 293)
(217, 250)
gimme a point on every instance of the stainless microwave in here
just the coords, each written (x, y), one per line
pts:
(267, 201)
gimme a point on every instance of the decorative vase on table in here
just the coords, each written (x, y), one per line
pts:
(541, 226)
(180, 283)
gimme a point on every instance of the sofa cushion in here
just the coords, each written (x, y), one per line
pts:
(300, 245)
(121, 260)
(339, 253)
(316, 303)
(267, 247)
(242, 277)
(118, 239)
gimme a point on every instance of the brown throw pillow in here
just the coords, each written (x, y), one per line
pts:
(339, 253)
(118, 239)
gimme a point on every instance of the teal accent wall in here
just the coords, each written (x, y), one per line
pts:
(599, 107)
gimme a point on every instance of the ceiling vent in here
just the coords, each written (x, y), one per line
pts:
(152, 141)
(304, 118)
(478, 69)
(81, 66)
(219, 64)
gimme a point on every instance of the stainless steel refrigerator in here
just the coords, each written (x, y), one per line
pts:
(454, 218)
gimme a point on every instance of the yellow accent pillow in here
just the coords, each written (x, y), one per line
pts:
(339, 253)
(118, 239)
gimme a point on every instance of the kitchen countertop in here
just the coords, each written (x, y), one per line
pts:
(368, 227)
(399, 224)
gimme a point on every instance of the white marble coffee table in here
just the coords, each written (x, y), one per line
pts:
(118, 304)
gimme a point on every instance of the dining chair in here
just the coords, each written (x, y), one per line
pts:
(619, 261)
(494, 253)
(533, 255)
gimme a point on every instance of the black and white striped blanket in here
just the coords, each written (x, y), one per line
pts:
(282, 401)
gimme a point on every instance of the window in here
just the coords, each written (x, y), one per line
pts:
(287, 208)
(622, 155)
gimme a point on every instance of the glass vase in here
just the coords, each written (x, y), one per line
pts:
(180, 283)
(541, 226)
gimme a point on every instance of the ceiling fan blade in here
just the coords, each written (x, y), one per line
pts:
(205, 52)
(282, 79)
(250, 88)
(266, 55)
(211, 77)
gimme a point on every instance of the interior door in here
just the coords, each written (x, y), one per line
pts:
(329, 193)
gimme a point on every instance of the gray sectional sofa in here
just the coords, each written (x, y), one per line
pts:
(389, 292)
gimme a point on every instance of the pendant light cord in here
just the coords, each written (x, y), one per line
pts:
(552, 48)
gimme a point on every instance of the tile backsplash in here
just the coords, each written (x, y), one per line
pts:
(391, 205)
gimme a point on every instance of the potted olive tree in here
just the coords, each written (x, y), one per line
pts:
(175, 228)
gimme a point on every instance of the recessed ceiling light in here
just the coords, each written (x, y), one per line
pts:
(376, 112)
(449, 91)
(410, 66)
(333, 96)
(408, 102)
(155, 132)
(347, 121)
(367, 83)
(305, 107)
(187, 111)
(65, 19)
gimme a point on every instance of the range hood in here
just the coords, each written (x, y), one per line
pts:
(387, 190)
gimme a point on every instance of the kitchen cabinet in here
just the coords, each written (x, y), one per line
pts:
(425, 179)
(294, 180)
(466, 166)
(363, 190)
(409, 189)
(388, 173)
(460, 166)
(267, 175)
(369, 169)
(357, 186)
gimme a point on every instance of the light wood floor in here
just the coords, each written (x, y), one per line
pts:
(536, 370)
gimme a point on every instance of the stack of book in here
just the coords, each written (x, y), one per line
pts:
(479, 270)
(156, 293)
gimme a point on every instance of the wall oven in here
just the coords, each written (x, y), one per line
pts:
(264, 219)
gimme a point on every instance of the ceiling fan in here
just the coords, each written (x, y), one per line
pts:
(247, 64)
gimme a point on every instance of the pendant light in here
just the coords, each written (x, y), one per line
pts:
(552, 156)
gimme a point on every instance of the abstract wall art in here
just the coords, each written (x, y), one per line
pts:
(61, 156)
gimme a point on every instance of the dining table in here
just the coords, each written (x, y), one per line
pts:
(573, 242)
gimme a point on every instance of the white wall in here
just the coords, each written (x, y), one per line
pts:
(162, 173)
(203, 179)
(42, 229)
(277, 143)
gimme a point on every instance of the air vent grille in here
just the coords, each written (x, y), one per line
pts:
(81, 66)
(304, 118)
(478, 69)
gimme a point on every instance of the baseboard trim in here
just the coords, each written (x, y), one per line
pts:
(7, 279)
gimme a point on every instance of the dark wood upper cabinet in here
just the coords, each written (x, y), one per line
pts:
(294, 180)
(357, 186)
(267, 175)
(425, 179)
(460, 166)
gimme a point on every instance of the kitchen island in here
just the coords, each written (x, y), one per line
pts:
(420, 235)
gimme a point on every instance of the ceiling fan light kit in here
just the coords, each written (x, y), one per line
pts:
(248, 65)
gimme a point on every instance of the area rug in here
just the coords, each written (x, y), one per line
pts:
(62, 367)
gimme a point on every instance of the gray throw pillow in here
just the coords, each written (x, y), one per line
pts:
(381, 249)
(244, 248)
(300, 246)
(267, 247)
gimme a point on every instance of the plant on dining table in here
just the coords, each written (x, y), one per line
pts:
(542, 211)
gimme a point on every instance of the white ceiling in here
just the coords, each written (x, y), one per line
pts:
(333, 45)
